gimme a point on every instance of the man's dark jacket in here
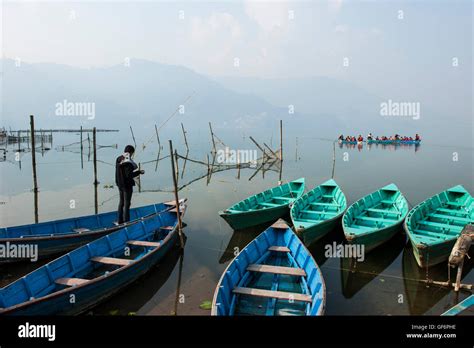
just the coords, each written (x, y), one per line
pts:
(124, 173)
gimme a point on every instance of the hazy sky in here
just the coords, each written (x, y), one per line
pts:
(402, 49)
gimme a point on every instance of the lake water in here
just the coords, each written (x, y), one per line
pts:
(386, 283)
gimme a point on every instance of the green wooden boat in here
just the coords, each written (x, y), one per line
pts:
(266, 206)
(318, 211)
(375, 218)
(434, 225)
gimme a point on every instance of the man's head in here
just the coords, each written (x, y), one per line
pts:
(130, 149)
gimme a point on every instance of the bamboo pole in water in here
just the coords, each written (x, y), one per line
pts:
(82, 150)
(281, 140)
(133, 137)
(33, 161)
(158, 138)
(96, 183)
(139, 178)
(333, 159)
(212, 138)
(176, 197)
(184, 134)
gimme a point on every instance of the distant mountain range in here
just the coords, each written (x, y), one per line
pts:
(147, 93)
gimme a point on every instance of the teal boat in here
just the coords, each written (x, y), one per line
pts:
(375, 218)
(266, 206)
(434, 225)
(318, 211)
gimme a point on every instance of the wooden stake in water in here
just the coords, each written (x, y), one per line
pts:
(133, 137)
(176, 198)
(157, 138)
(281, 140)
(139, 178)
(333, 159)
(33, 161)
(82, 150)
(212, 138)
(96, 182)
(184, 135)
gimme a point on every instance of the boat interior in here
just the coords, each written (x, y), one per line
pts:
(324, 202)
(443, 216)
(273, 275)
(380, 209)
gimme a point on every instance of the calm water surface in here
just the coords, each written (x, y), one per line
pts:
(386, 283)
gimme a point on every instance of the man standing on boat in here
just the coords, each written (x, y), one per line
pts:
(125, 170)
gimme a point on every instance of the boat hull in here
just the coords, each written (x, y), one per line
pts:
(89, 296)
(81, 279)
(62, 240)
(375, 238)
(314, 233)
(430, 255)
(254, 218)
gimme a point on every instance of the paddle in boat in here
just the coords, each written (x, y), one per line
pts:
(318, 211)
(94, 271)
(273, 275)
(434, 225)
(375, 218)
(266, 206)
(54, 237)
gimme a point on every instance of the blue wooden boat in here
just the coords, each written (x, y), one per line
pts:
(93, 272)
(266, 206)
(318, 211)
(394, 142)
(461, 307)
(434, 225)
(273, 275)
(54, 237)
(375, 218)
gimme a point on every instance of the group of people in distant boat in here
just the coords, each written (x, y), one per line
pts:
(370, 137)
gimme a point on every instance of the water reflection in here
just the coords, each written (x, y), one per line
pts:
(356, 275)
(422, 297)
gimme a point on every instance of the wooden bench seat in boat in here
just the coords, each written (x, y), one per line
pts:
(382, 211)
(282, 198)
(112, 261)
(452, 211)
(319, 212)
(325, 204)
(143, 243)
(71, 281)
(385, 201)
(368, 218)
(281, 295)
(449, 217)
(265, 204)
(439, 225)
(328, 196)
(433, 235)
(279, 248)
(456, 204)
(276, 270)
